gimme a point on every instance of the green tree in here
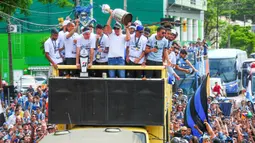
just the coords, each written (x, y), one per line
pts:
(10, 6)
(234, 9)
(241, 38)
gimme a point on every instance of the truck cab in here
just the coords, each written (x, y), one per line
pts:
(100, 109)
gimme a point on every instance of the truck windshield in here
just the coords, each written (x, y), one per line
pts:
(26, 81)
(224, 69)
(141, 137)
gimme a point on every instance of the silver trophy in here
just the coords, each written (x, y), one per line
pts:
(119, 15)
(84, 59)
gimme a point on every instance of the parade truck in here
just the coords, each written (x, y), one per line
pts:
(109, 110)
(190, 82)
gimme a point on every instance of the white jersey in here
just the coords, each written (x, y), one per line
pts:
(172, 57)
(51, 47)
(137, 47)
(70, 46)
(87, 44)
(117, 45)
(104, 43)
(61, 38)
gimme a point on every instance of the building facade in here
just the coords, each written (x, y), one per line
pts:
(191, 15)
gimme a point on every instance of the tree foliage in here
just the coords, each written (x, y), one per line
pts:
(241, 38)
(10, 6)
(235, 9)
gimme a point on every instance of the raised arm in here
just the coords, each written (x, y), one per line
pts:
(127, 32)
(70, 34)
(108, 27)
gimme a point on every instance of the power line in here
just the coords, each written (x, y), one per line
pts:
(17, 19)
(32, 11)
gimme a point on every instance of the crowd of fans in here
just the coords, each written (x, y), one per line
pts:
(26, 117)
(228, 121)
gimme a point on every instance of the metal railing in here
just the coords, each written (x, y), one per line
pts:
(110, 67)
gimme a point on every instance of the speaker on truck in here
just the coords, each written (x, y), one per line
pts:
(64, 102)
(119, 102)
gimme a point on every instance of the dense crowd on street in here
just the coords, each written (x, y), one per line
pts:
(227, 123)
(26, 117)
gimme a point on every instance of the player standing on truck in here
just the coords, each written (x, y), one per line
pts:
(117, 46)
(51, 49)
(85, 47)
(135, 51)
(156, 50)
(102, 46)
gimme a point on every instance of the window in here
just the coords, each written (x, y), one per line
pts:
(193, 2)
(224, 69)
(141, 137)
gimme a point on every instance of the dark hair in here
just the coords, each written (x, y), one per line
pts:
(160, 28)
(194, 139)
(183, 52)
(168, 29)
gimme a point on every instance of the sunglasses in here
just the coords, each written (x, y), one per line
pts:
(163, 33)
(116, 28)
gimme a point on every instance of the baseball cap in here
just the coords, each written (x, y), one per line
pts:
(65, 22)
(147, 30)
(117, 25)
(133, 26)
(54, 31)
(85, 30)
(99, 26)
(91, 26)
(173, 31)
(139, 28)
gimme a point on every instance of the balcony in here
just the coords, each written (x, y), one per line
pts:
(195, 4)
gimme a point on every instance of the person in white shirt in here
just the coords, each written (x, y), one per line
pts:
(117, 46)
(52, 52)
(85, 46)
(70, 45)
(132, 29)
(12, 119)
(172, 59)
(102, 48)
(61, 38)
(136, 51)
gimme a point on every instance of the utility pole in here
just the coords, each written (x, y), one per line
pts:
(77, 3)
(217, 34)
(125, 5)
(10, 50)
(244, 20)
(229, 32)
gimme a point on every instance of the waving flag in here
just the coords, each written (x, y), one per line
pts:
(200, 100)
(197, 109)
(188, 121)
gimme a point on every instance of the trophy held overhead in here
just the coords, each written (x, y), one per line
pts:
(119, 15)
